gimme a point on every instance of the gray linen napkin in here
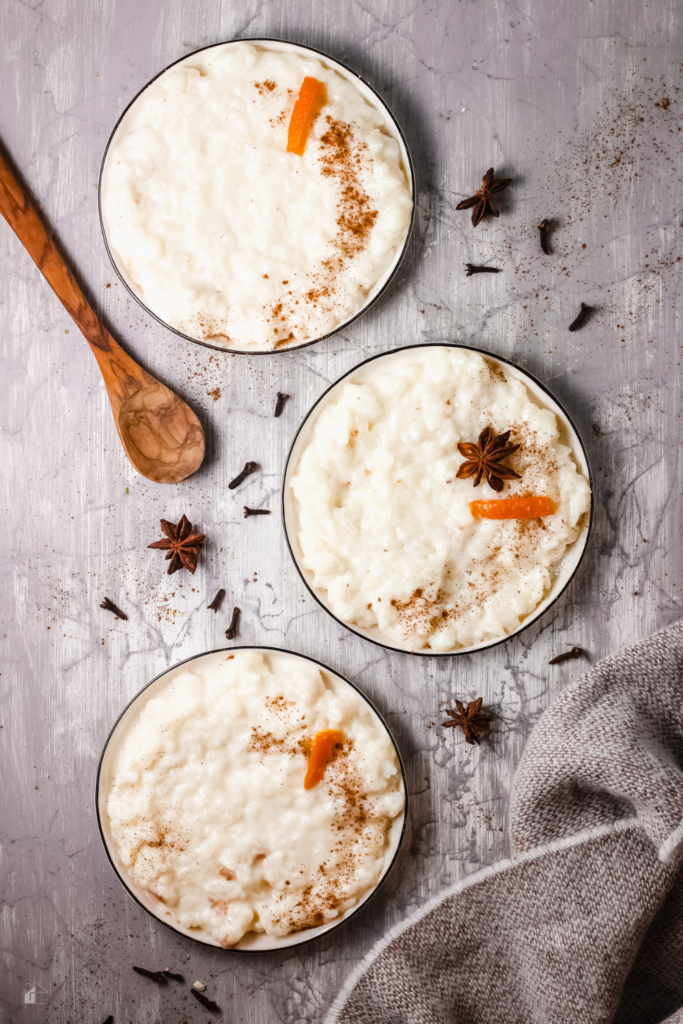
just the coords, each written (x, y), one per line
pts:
(585, 923)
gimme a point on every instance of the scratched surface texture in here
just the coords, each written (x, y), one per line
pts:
(581, 105)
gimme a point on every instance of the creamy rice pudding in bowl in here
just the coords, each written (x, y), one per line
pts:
(256, 196)
(436, 500)
(251, 799)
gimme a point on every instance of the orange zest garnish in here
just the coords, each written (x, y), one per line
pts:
(323, 744)
(524, 507)
(308, 103)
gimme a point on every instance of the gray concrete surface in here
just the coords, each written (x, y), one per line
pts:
(581, 104)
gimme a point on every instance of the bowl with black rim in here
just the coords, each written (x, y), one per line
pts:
(392, 128)
(251, 942)
(569, 435)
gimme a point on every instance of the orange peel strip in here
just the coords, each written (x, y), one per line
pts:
(308, 103)
(530, 506)
(323, 744)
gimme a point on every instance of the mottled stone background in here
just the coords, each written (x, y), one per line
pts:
(581, 104)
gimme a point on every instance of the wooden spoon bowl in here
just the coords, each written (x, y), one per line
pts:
(160, 434)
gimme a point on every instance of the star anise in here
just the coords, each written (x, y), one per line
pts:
(182, 544)
(481, 200)
(470, 719)
(486, 459)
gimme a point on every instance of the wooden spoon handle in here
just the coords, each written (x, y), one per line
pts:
(122, 374)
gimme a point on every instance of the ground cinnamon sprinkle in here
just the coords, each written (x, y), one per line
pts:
(263, 742)
(284, 341)
(210, 329)
(353, 822)
(357, 829)
(427, 612)
(342, 158)
(169, 842)
(265, 87)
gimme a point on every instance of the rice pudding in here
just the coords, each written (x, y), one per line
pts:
(219, 800)
(225, 235)
(394, 540)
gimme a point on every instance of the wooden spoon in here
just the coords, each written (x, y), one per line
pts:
(160, 434)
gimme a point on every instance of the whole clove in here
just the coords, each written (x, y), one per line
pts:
(109, 606)
(109, 1020)
(255, 512)
(249, 468)
(581, 318)
(471, 269)
(280, 404)
(233, 628)
(208, 1004)
(173, 977)
(545, 228)
(157, 976)
(217, 601)
(576, 652)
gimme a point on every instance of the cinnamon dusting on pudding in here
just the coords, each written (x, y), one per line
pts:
(359, 834)
(265, 87)
(425, 614)
(217, 132)
(345, 160)
(207, 804)
(384, 515)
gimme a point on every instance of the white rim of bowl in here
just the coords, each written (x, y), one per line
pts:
(568, 565)
(371, 95)
(251, 942)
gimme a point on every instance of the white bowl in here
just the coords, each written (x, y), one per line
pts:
(391, 127)
(290, 506)
(253, 942)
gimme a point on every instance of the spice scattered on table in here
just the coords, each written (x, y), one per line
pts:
(486, 459)
(249, 468)
(576, 652)
(109, 606)
(199, 985)
(280, 404)
(471, 719)
(471, 269)
(545, 227)
(584, 313)
(481, 200)
(183, 545)
(157, 976)
(255, 512)
(217, 601)
(233, 629)
(208, 1004)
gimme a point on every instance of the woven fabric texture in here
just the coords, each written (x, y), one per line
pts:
(585, 923)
